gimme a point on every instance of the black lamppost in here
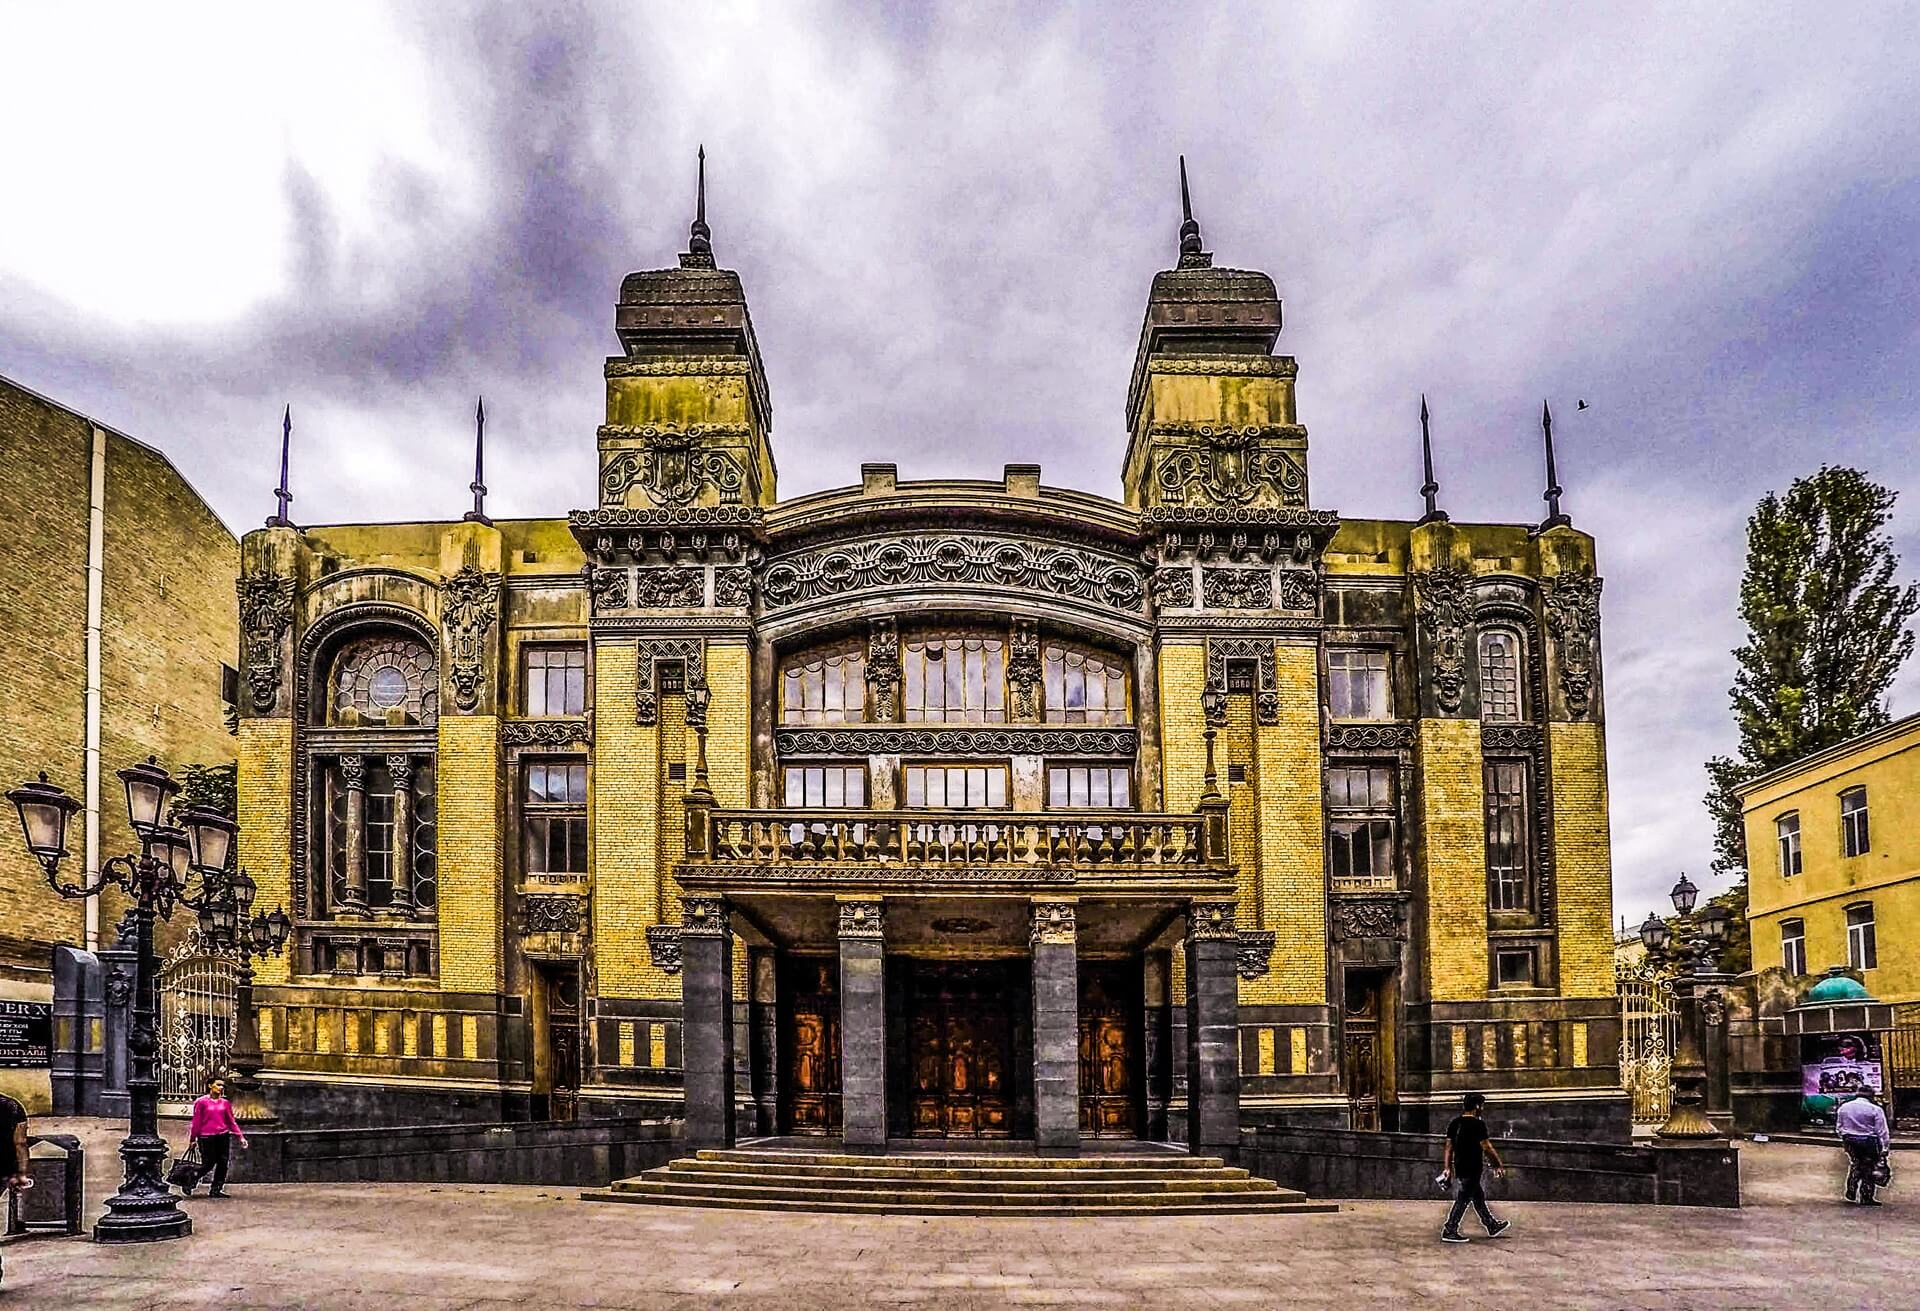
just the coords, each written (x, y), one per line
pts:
(157, 878)
(230, 921)
(1696, 959)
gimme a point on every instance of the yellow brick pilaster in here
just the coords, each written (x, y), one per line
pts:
(1582, 858)
(470, 791)
(266, 837)
(1183, 755)
(1292, 884)
(1453, 858)
(623, 808)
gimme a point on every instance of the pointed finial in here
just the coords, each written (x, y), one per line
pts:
(1434, 513)
(1191, 256)
(285, 497)
(1554, 519)
(479, 484)
(699, 237)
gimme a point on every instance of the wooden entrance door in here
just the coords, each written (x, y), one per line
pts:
(811, 1043)
(563, 1042)
(1108, 1022)
(1360, 1050)
(961, 1038)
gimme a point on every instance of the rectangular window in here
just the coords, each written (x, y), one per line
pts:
(554, 820)
(1084, 687)
(1359, 687)
(1500, 676)
(553, 680)
(1509, 885)
(379, 834)
(1793, 946)
(1361, 826)
(1515, 968)
(1787, 832)
(1862, 953)
(955, 678)
(1853, 822)
(825, 687)
(814, 786)
(957, 787)
(1089, 787)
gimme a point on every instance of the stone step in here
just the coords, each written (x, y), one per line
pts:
(937, 1184)
(855, 1203)
(893, 1167)
(963, 1161)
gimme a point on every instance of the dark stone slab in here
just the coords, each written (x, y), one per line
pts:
(863, 1042)
(1213, 1047)
(706, 984)
(1056, 1046)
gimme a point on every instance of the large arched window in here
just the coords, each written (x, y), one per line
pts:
(1084, 687)
(376, 678)
(1503, 693)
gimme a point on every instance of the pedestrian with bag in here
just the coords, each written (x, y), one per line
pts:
(213, 1131)
(13, 1144)
(1864, 1133)
(1468, 1142)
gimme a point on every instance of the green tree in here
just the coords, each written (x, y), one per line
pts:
(213, 786)
(1826, 634)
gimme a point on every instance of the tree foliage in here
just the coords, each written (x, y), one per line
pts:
(214, 786)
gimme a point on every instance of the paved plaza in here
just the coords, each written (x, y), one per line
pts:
(434, 1247)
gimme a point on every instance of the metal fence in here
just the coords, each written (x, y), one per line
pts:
(1648, 1029)
(197, 987)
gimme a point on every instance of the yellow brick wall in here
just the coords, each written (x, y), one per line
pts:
(622, 811)
(1453, 854)
(729, 678)
(266, 837)
(1183, 753)
(469, 801)
(1292, 873)
(1583, 864)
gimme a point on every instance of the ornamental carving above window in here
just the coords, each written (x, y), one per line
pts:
(373, 677)
(1230, 468)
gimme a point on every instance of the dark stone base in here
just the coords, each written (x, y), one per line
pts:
(371, 1104)
(1585, 1120)
(586, 1153)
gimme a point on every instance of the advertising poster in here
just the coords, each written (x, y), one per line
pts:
(26, 1035)
(1834, 1067)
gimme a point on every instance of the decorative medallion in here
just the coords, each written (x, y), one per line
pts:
(1053, 923)
(862, 919)
(663, 947)
(266, 610)
(1446, 616)
(468, 606)
(671, 467)
(1211, 921)
(1573, 617)
(1023, 672)
(1256, 952)
(883, 669)
(1237, 589)
(1230, 468)
(1173, 586)
(703, 917)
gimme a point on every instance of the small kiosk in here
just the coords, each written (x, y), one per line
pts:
(1838, 1026)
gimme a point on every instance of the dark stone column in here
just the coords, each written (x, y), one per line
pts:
(1056, 1027)
(763, 1040)
(706, 990)
(1213, 1030)
(863, 1024)
(1156, 1042)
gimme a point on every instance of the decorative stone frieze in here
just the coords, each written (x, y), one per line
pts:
(733, 587)
(882, 740)
(863, 919)
(703, 917)
(469, 605)
(1517, 738)
(1211, 921)
(930, 560)
(1237, 589)
(1370, 737)
(670, 466)
(608, 587)
(1228, 466)
(266, 611)
(552, 913)
(547, 732)
(669, 587)
(1053, 923)
(1367, 917)
(1173, 586)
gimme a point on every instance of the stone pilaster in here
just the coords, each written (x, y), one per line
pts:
(1056, 1027)
(764, 1039)
(1213, 1030)
(706, 980)
(1156, 1045)
(863, 1024)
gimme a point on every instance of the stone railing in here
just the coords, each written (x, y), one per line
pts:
(983, 844)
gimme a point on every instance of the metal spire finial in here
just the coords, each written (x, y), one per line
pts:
(285, 497)
(479, 484)
(1554, 519)
(1434, 513)
(1191, 255)
(699, 236)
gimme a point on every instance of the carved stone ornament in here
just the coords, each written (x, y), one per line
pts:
(1001, 562)
(663, 947)
(1573, 618)
(608, 588)
(1517, 738)
(353, 772)
(671, 467)
(1713, 1007)
(883, 669)
(670, 587)
(1370, 737)
(266, 609)
(862, 919)
(552, 913)
(690, 366)
(1237, 589)
(1445, 613)
(881, 740)
(1220, 650)
(733, 587)
(547, 732)
(703, 917)
(1376, 917)
(400, 770)
(1211, 921)
(469, 604)
(119, 987)
(692, 650)
(1256, 952)
(1173, 586)
(1023, 672)
(1230, 468)
(1054, 923)
(1299, 589)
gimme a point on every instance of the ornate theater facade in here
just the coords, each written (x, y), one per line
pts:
(934, 809)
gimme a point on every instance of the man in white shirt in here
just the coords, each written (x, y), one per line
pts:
(1863, 1131)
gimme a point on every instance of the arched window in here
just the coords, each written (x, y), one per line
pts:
(827, 685)
(1502, 687)
(1084, 687)
(955, 678)
(378, 676)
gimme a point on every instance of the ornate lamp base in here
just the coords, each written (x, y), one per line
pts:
(145, 1210)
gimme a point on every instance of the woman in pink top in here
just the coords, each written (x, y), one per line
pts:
(214, 1129)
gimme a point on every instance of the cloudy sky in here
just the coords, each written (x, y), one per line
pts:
(1701, 221)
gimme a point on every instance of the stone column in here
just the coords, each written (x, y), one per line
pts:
(400, 769)
(1056, 1027)
(1213, 1030)
(353, 773)
(863, 1023)
(706, 991)
(1156, 1041)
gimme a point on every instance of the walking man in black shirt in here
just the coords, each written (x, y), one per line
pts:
(13, 1146)
(1467, 1140)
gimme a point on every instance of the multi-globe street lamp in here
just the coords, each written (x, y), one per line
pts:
(229, 921)
(160, 876)
(1696, 960)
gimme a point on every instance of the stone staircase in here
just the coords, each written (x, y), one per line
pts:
(928, 1184)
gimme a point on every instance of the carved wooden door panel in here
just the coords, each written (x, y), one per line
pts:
(962, 1042)
(1360, 1054)
(812, 1048)
(1106, 1059)
(563, 1043)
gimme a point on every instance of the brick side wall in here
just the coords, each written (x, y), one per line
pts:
(1292, 838)
(623, 814)
(471, 790)
(1583, 862)
(1183, 753)
(1453, 857)
(266, 839)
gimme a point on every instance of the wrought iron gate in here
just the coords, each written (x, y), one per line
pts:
(196, 1017)
(1648, 1030)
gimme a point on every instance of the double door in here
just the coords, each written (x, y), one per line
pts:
(960, 1031)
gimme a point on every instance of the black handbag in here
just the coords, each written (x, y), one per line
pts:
(1883, 1172)
(187, 1169)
